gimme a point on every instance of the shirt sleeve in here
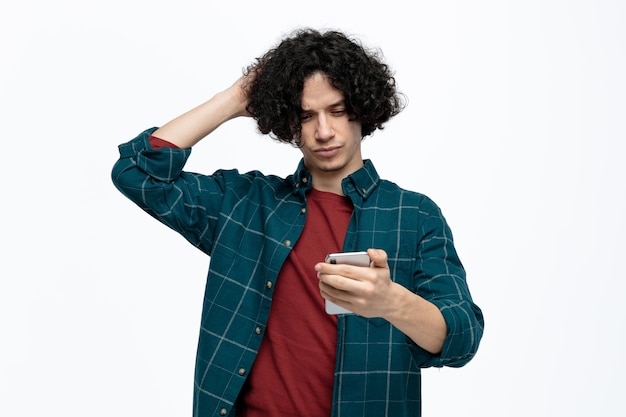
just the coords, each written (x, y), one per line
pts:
(441, 279)
(154, 180)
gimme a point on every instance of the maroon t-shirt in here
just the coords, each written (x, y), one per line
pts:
(294, 370)
(158, 143)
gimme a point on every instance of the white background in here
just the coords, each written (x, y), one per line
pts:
(515, 127)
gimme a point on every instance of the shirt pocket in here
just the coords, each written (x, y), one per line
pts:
(401, 268)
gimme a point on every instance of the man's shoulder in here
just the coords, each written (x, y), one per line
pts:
(254, 175)
(253, 180)
(408, 195)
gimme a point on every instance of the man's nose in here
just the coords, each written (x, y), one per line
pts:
(324, 129)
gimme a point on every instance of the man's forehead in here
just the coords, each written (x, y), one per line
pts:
(333, 104)
(318, 92)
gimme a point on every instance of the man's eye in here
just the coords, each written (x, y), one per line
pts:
(304, 117)
(339, 112)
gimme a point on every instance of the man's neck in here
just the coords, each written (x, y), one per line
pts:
(329, 186)
(330, 181)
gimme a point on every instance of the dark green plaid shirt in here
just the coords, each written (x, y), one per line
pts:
(248, 224)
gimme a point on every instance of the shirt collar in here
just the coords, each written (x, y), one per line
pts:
(301, 179)
(360, 183)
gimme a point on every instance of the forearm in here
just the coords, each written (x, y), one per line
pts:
(189, 128)
(419, 319)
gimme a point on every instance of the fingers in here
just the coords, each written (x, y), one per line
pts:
(378, 257)
(342, 277)
(335, 274)
(360, 289)
(342, 298)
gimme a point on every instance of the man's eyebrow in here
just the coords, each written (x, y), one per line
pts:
(338, 103)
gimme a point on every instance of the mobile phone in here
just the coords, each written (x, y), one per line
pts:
(350, 258)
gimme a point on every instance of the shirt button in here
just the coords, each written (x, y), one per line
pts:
(288, 243)
(242, 372)
(364, 191)
(223, 412)
(258, 330)
(268, 284)
(305, 180)
(303, 210)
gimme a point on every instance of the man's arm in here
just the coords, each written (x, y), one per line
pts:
(189, 128)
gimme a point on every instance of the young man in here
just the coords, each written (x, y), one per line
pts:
(267, 347)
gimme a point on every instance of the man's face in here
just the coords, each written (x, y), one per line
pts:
(330, 142)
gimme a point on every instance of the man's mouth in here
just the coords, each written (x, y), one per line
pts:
(327, 152)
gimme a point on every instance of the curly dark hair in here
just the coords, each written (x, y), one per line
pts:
(275, 91)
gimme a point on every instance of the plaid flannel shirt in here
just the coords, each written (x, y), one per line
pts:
(248, 224)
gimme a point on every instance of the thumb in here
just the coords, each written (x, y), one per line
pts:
(378, 257)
